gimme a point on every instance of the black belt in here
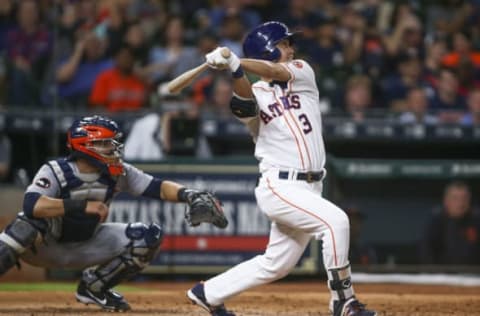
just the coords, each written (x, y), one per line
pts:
(303, 176)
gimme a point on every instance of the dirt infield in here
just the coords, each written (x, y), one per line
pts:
(280, 299)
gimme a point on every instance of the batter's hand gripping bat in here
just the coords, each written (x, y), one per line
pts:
(177, 84)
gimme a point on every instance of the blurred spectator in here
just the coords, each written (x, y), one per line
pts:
(446, 101)
(231, 33)
(472, 118)
(300, 16)
(135, 37)
(86, 11)
(433, 61)
(468, 77)
(173, 57)
(112, 25)
(360, 251)
(395, 86)
(68, 24)
(363, 43)
(325, 50)
(452, 234)
(75, 75)
(29, 48)
(223, 8)
(146, 140)
(217, 104)
(358, 97)
(119, 89)
(406, 36)
(446, 17)
(350, 31)
(151, 14)
(461, 50)
(7, 22)
(416, 109)
(5, 152)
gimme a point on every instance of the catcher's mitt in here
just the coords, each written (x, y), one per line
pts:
(204, 207)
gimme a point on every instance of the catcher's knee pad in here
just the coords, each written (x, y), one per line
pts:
(145, 241)
(17, 237)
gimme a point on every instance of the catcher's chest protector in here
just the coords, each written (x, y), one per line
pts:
(72, 186)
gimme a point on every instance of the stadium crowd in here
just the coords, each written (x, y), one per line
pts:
(417, 61)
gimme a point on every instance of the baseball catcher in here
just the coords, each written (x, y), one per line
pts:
(64, 209)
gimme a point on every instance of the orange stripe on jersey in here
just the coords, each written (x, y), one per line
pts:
(311, 214)
(296, 139)
(289, 83)
(289, 126)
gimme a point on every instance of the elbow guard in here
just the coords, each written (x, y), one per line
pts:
(243, 108)
(29, 201)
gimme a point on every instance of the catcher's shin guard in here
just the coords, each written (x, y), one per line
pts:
(145, 241)
(17, 237)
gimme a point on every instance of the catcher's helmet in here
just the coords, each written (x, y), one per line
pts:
(261, 42)
(97, 139)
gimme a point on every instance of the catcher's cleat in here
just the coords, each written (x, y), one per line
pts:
(108, 300)
(197, 295)
(351, 307)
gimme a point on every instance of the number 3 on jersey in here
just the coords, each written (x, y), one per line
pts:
(307, 127)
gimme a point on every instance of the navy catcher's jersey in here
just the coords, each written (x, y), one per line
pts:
(61, 179)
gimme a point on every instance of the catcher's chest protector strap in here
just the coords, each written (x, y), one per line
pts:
(71, 185)
(79, 227)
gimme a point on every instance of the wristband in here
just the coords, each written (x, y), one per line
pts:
(238, 73)
(74, 207)
(182, 195)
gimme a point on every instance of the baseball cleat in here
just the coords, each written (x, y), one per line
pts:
(197, 295)
(109, 300)
(351, 307)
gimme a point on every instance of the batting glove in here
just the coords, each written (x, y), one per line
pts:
(215, 59)
(233, 62)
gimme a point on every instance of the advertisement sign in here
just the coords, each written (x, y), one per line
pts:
(205, 248)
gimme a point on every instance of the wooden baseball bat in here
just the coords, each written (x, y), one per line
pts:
(179, 83)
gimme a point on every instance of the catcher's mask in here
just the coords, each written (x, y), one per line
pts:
(97, 139)
(260, 43)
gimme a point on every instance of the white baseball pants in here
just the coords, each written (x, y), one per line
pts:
(298, 212)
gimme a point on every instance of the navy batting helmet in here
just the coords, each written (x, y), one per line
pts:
(97, 139)
(261, 42)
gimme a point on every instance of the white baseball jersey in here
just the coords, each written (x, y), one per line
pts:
(290, 133)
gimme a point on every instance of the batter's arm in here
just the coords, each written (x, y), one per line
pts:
(266, 69)
(242, 87)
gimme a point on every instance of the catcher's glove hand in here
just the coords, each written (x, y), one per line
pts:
(204, 207)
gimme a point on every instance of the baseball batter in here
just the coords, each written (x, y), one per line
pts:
(65, 206)
(283, 113)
